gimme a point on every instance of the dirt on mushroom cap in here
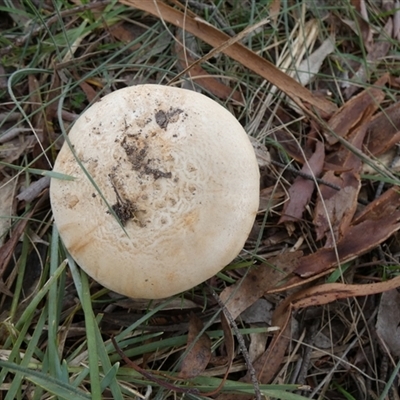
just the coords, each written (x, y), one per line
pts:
(178, 171)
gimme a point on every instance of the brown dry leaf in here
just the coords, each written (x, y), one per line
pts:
(270, 197)
(260, 279)
(271, 360)
(335, 208)
(202, 77)
(357, 110)
(206, 32)
(291, 145)
(329, 292)
(383, 131)
(230, 354)
(90, 93)
(127, 33)
(199, 350)
(269, 363)
(14, 148)
(382, 217)
(388, 321)
(301, 190)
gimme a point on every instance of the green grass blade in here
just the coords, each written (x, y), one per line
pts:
(91, 324)
(48, 383)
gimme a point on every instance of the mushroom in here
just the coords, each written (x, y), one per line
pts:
(165, 190)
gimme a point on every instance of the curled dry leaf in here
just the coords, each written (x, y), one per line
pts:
(198, 350)
(329, 292)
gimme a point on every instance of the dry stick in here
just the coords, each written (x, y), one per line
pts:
(36, 31)
(242, 346)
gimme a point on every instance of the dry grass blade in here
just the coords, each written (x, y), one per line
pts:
(238, 52)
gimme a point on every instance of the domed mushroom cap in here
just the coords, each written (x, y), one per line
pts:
(165, 192)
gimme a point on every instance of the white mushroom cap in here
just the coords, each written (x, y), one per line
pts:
(180, 173)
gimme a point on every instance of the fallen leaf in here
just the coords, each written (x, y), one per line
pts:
(127, 33)
(301, 190)
(329, 292)
(335, 208)
(198, 352)
(34, 189)
(270, 197)
(230, 354)
(357, 110)
(260, 279)
(382, 217)
(291, 145)
(271, 360)
(383, 131)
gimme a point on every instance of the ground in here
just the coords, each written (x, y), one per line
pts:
(309, 308)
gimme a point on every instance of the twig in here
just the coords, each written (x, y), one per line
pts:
(242, 346)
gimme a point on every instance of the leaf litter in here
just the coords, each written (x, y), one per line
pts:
(325, 237)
